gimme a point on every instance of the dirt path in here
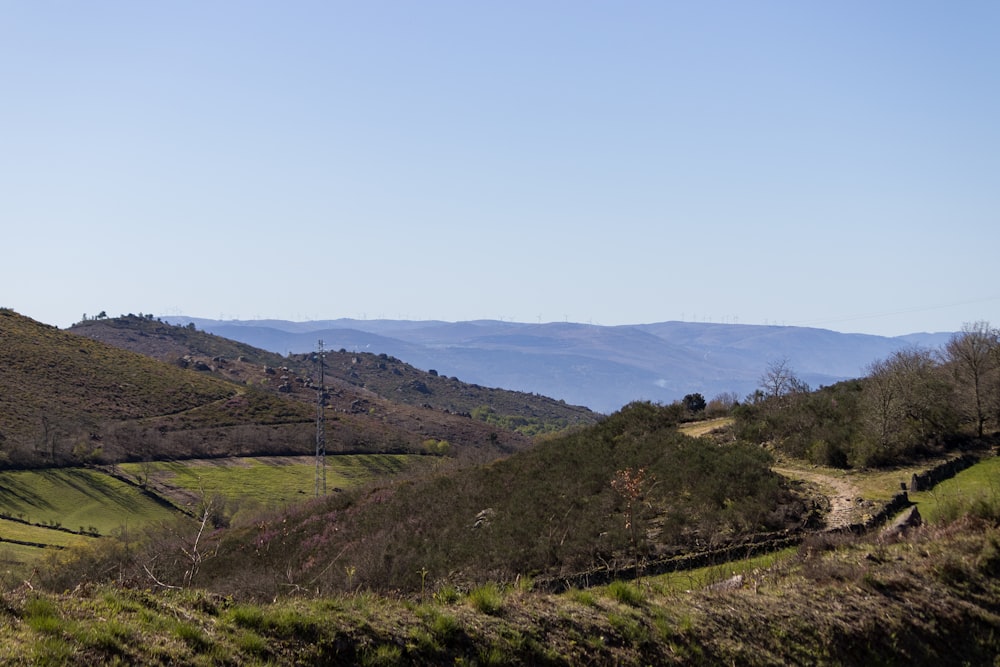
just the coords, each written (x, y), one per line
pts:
(841, 492)
(698, 429)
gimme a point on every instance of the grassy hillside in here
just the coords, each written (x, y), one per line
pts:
(928, 599)
(70, 400)
(975, 490)
(77, 498)
(59, 388)
(64, 507)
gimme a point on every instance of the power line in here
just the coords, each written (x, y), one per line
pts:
(901, 311)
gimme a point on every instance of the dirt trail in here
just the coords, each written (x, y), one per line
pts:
(841, 492)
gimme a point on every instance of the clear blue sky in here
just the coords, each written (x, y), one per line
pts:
(827, 164)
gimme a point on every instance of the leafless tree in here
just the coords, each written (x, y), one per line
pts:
(883, 407)
(193, 552)
(631, 485)
(974, 358)
(779, 380)
(922, 405)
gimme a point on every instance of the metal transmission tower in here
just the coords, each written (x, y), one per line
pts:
(321, 423)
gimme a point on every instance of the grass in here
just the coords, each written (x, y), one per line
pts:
(487, 599)
(797, 617)
(15, 530)
(625, 592)
(82, 499)
(878, 484)
(75, 498)
(16, 561)
(882, 484)
(271, 481)
(978, 484)
(684, 581)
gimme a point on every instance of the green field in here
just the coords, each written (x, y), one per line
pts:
(15, 530)
(978, 484)
(270, 481)
(16, 559)
(76, 498)
(82, 499)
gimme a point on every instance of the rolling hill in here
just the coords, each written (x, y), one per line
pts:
(70, 399)
(601, 367)
(357, 381)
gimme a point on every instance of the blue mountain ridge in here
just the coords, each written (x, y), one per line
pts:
(601, 367)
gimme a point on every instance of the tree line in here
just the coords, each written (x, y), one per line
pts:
(915, 402)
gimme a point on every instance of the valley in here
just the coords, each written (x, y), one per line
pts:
(176, 479)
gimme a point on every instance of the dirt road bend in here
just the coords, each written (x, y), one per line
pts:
(841, 492)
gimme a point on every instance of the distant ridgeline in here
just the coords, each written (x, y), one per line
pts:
(600, 367)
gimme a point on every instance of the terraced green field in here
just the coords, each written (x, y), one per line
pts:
(83, 499)
(15, 530)
(76, 498)
(270, 481)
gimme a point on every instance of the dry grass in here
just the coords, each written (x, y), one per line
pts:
(928, 599)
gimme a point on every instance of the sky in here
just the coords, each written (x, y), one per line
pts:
(832, 164)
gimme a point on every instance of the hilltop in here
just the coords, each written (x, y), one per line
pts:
(62, 394)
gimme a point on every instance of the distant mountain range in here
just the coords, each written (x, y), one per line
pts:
(601, 367)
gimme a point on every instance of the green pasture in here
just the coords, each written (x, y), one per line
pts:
(15, 530)
(16, 561)
(268, 481)
(978, 485)
(76, 498)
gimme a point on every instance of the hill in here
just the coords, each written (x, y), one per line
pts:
(549, 511)
(355, 378)
(69, 399)
(61, 391)
(602, 367)
(266, 591)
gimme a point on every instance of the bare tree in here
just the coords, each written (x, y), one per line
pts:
(631, 485)
(973, 357)
(883, 407)
(192, 550)
(926, 408)
(779, 380)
